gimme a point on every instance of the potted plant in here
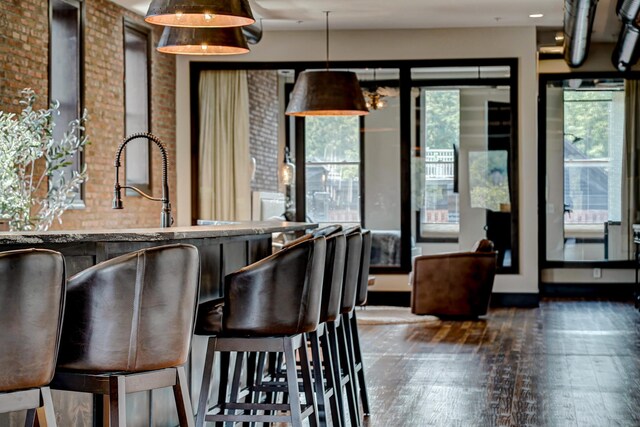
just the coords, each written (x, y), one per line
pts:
(34, 189)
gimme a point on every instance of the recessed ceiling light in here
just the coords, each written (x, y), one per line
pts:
(536, 15)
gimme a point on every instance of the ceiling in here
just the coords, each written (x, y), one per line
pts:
(413, 14)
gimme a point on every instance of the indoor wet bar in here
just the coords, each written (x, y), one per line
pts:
(222, 249)
(319, 213)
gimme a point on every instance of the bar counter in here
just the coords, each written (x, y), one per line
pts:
(223, 246)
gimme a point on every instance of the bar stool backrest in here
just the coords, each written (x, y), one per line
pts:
(351, 269)
(363, 275)
(278, 295)
(333, 277)
(32, 295)
(132, 313)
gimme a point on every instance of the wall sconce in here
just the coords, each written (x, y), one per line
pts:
(287, 170)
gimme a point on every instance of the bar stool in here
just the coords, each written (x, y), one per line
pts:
(32, 295)
(351, 324)
(327, 385)
(338, 332)
(128, 327)
(269, 306)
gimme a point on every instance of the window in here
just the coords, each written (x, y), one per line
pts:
(136, 95)
(441, 122)
(65, 73)
(403, 171)
(332, 166)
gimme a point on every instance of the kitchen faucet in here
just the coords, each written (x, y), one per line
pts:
(165, 217)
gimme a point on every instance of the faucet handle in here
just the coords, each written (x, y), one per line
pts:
(117, 198)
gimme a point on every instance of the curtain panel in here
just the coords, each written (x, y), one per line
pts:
(224, 158)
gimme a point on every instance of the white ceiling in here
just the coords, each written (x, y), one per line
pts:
(394, 14)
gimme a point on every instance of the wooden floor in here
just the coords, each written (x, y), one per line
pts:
(567, 363)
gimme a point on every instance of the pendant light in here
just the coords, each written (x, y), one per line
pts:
(200, 13)
(203, 41)
(327, 93)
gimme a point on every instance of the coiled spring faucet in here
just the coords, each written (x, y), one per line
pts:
(165, 217)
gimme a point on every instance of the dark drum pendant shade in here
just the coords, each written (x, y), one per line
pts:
(327, 93)
(203, 41)
(200, 13)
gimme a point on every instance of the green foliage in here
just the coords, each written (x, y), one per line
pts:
(333, 139)
(588, 121)
(442, 118)
(489, 179)
(24, 140)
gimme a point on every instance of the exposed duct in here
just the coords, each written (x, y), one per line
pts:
(253, 32)
(578, 23)
(626, 52)
(628, 10)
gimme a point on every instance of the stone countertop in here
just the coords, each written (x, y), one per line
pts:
(208, 229)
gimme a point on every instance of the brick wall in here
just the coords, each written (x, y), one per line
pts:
(263, 127)
(24, 36)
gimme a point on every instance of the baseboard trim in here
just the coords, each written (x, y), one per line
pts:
(515, 299)
(394, 298)
(588, 290)
(403, 299)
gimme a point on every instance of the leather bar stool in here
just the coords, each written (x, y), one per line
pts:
(32, 295)
(269, 306)
(351, 324)
(338, 332)
(327, 384)
(128, 328)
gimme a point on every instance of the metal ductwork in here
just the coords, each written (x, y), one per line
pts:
(628, 10)
(253, 33)
(626, 52)
(578, 23)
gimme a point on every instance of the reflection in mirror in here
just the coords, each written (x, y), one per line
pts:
(381, 159)
(352, 167)
(585, 157)
(465, 145)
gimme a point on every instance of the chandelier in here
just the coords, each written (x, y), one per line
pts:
(374, 97)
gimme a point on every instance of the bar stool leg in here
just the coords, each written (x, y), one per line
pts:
(292, 382)
(307, 382)
(345, 363)
(117, 402)
(235, 382)
(334, 348)
(318, 378)
(31, 418)
(206, 382)
(181, 394)
(364, 395)
(337, 413)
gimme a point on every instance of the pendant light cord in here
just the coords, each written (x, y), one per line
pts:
(327, 35)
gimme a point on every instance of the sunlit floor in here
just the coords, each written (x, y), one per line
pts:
(567, 363)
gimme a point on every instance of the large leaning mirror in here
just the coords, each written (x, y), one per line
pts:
(464, 159)
(589, 190)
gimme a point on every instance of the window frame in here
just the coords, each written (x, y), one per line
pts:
(407, 216)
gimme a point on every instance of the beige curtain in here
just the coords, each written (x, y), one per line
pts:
(630, 165)
(224, 159)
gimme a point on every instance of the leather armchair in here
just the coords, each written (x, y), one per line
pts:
(454, 284)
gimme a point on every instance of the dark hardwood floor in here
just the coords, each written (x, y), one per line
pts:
(566, 363)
